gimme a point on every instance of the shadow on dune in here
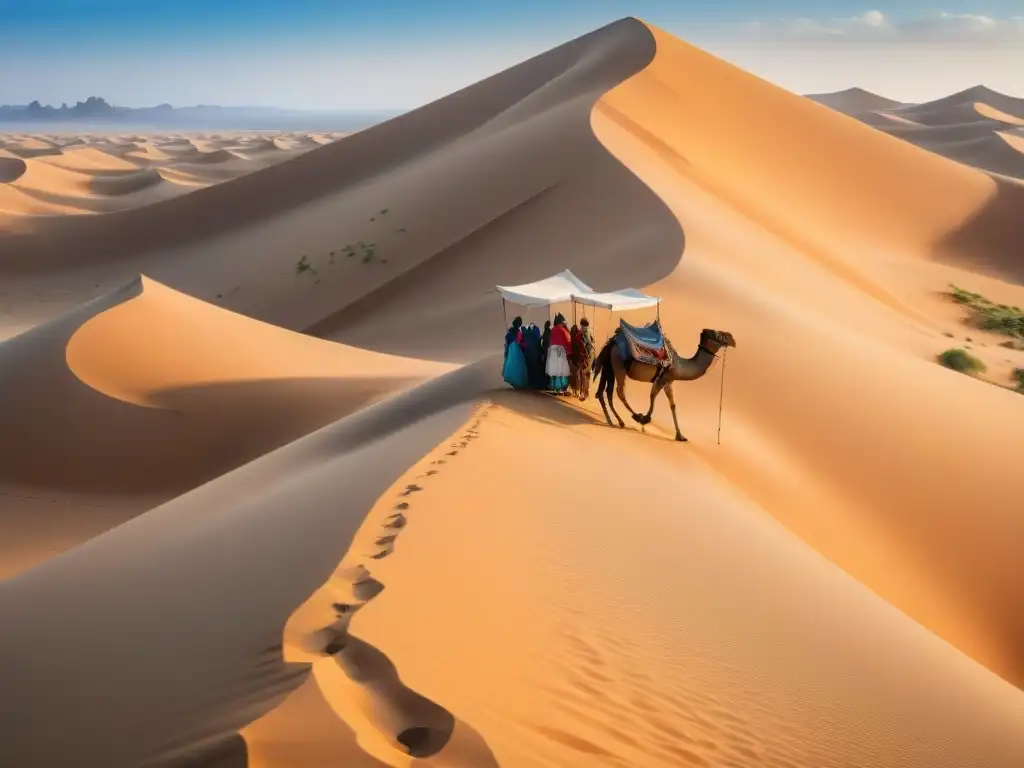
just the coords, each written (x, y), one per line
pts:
(275, 190)
(170, 626)
(86, 441)
(99, 462)
(446, 308)
(11, 169)
(230, 752)
(991, 240)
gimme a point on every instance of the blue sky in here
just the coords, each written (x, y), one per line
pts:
(380, 54)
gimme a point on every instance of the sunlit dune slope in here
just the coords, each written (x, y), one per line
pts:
(684, 629)
(844, 426)
(842, 189)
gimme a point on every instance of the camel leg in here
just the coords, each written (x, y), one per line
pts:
(618, 375)
(620, 390)
(672, 405)
(600, 399)
(655, 391)
(605, 383)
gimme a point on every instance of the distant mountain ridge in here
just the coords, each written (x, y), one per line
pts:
(98, 109)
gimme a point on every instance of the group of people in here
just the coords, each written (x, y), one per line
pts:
(556, 359)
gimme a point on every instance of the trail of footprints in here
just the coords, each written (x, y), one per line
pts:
(412, 723)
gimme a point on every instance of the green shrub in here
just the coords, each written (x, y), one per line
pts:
(961, 360)
(1018, 378)
(998, 318)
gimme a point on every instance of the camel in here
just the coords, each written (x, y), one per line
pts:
(613, 371)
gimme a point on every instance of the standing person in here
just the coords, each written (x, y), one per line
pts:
(535, 375)
(585, 359)
(545, 339)
(514, 368)
(574, 355)
(559, 348)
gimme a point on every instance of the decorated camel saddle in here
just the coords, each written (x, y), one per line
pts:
(644, 344)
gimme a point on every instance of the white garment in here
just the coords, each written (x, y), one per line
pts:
(558, 362)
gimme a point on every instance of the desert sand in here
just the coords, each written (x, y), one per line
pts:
(265, 500)
(98, 173)
(978, 127)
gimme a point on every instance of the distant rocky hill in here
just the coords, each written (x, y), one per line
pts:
(98, 109)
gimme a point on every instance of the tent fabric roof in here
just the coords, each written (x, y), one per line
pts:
(551, 290)
(565, 287)
(624, 299)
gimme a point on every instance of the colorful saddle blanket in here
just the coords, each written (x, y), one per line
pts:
(645, 344)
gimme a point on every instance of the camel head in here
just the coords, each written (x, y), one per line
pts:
(721, 338)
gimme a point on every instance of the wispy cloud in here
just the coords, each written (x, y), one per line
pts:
(875, 26)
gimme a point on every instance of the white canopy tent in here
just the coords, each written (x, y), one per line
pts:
(566, 287)
(556, 289)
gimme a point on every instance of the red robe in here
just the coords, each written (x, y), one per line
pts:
(560, 337)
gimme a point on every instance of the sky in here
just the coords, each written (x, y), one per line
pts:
(399, 54)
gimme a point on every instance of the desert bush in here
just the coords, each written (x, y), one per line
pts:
(1018, 378)
(961, 360)
(999, 318)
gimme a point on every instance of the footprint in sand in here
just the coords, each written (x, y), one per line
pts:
(402, 506)
(384, 541)
(333, 637)
(386, 552)
(396, 521)
(411, 489)
(409, 721)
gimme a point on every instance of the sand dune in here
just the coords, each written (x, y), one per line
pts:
(243, 545)
(855, 100)
(130, 168)
(11, 168)
(146, 364)
(965, 126)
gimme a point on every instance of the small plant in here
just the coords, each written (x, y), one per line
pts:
(1018, 377)
(999, 318)
(962, 361)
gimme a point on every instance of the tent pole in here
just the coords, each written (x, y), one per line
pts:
(504, 312)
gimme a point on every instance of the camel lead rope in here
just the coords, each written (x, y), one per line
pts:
(721, 395)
